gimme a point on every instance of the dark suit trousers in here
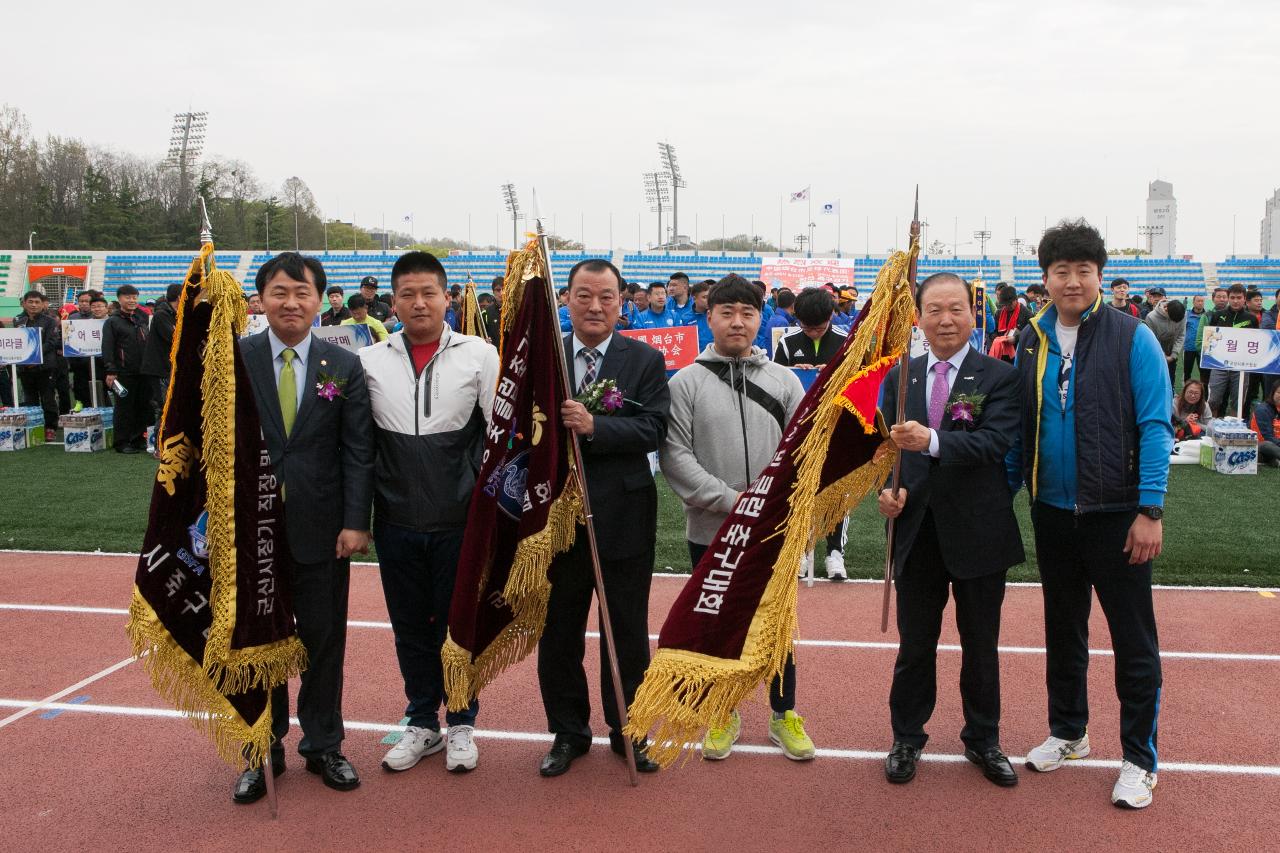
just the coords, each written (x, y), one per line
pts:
(320, 607)
(922, 596)
(1077, 557)
(561, 676)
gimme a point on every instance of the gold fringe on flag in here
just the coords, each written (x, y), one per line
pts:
(199, 691)
(527, 592)
(472, 317)
(527, 589)
(685, 693)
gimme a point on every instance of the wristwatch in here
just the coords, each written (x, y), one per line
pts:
(1155, 513)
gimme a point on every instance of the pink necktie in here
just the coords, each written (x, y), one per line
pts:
(938, 399)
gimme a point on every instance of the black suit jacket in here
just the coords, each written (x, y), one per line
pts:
(966, 487)
(624, 501)
(326, 463)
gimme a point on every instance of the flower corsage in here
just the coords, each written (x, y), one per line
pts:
(601, 397)
(329, 386)
(965, 408)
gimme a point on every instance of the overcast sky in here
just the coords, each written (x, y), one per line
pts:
(1000, 110)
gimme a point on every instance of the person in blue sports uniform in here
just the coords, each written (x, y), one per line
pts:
(1094, 455)
(680, 299)
(658, 316)
(566, 325)
(637, 302)
(763, 337)
(698, 294)
(783, 317)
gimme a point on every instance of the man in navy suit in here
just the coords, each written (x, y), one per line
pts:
(955, 531)
(314, 407)
(624, 503)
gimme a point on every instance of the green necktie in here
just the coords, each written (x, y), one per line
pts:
(288, 391)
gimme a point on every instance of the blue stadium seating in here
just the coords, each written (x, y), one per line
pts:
(153, 273)
(1262, 273)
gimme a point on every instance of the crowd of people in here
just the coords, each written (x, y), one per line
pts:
(979, 423)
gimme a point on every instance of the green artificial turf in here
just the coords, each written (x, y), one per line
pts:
(1219, 530)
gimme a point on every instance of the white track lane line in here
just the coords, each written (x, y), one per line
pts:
(821, 644)
(685, 575)
(747, 749)
(51, 701)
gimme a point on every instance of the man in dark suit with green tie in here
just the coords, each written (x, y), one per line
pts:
(314, 407)
(955, 531)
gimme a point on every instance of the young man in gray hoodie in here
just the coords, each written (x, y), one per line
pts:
(1169, 321)
(728, 412)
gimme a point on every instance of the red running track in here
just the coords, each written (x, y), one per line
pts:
(107, 766)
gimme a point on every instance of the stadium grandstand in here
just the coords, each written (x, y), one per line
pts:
(61, 274)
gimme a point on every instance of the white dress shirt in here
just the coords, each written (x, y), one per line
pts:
(302, 351)
(929, 377)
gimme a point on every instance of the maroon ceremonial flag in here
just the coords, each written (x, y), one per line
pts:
(732, 625)
(526, 501)
(211, 616)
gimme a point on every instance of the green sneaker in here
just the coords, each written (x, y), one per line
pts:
(789, 734)
(719, 742)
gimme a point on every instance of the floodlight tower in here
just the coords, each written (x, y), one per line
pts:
(667, 157)
(186, 143)
(1150, 232)
(512, 204)
(656, 192)
(982, 237)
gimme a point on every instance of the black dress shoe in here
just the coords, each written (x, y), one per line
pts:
(561, 755)
(127, 448)
(252, 784)
(995, 765)
(644, 764)
(900, 765)
(335, 770)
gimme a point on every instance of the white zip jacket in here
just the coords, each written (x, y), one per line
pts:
(429, 428)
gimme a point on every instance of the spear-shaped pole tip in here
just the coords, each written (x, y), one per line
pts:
(916, 214)
(206, 229)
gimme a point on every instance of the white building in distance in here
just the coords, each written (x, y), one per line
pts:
(1162, 219)
(1270, 243)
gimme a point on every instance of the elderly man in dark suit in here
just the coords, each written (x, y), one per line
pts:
(955, 529)
(314, 406)
(624, 502)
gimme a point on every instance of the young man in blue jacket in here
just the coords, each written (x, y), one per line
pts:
(1094, 454)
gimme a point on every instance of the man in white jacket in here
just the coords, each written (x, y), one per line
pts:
(432, 392)
(728, 412)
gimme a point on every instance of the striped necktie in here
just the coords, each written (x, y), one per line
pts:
(590, 356)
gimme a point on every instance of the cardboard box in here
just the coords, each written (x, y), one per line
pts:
(83, 433)
(21, 428)
(1232, 449)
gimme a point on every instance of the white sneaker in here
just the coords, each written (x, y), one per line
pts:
(806, 565)
(835, 567)
(1055, 752)
(462, 753)
(416, 744)
(1133, 789)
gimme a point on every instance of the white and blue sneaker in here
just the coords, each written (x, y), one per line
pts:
(1133, 789)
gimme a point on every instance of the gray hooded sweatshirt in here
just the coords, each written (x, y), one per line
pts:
(1168, 333)
(727, 417)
